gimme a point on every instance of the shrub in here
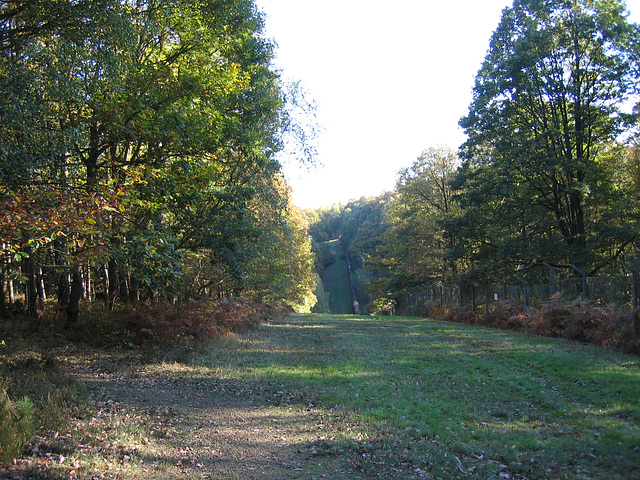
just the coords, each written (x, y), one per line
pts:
(185, 322)
(580, 321)
(17, 426)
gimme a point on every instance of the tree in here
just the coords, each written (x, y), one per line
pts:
(279, 262)
(149, 129)
(423, 202)
(547, 102)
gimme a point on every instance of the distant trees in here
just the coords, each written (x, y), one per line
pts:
(414, 244)
(133, 137)
(359, 227)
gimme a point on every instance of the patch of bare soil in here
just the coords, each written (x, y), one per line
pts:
(180, 424)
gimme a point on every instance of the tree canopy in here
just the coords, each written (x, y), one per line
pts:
(549, 103)
(138, 134)
(548, 173)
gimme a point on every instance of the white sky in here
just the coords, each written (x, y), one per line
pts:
(390, 79)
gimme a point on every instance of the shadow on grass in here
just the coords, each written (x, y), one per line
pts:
(366, 397)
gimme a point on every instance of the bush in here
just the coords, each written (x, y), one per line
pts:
(17, 426)
(581, 321)
(185, 322)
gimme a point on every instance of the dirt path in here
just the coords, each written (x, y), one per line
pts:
(199, 426)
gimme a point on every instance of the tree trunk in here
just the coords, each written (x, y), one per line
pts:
(31, 288)
(42, 294)
(86, 283)
(10, 290)
(4, 312)
(124, 286)
(113, 283)
(73, 308)
(105, 284)
(63, 277)
(64, 285)
(134, 290)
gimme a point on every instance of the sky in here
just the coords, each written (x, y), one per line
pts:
(390, 79)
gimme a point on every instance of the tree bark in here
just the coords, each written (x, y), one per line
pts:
(4, 312)
(42, 293)
(134, 290)
(105, 284)
(31, 288)
(113, 283)
(86, 283)
(75, 294)
(63, 277)
(124, 286)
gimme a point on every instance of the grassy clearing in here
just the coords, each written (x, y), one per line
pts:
(336, 280)
(410, 398)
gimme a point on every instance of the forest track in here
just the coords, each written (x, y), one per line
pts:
(196, 424)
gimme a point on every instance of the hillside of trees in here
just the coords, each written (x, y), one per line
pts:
(547, 182)
(138, 146)
(347, 234)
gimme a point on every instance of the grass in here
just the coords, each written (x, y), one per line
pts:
(411, 398)
(336, 281)
(387, 398)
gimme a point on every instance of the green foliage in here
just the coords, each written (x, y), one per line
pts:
(323, 298)
(170, 114)
(356, 228)
(547, 104)
(415, 245)
(279, 264)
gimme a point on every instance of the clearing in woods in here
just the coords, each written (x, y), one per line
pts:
(348, 397)
(336, 280)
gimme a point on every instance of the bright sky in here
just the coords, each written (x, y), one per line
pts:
(390, 79)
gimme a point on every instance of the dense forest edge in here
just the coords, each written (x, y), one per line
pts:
(143, 205)
(139, 161)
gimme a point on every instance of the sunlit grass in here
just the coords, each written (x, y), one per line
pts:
(430, 398)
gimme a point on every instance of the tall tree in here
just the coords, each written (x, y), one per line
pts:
(547, 101)
(424, 200)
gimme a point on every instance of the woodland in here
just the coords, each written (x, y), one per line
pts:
(143, 208)
(140, 143)
(137, 158)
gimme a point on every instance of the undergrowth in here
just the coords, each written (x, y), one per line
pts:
(608, 326)
(16, 425)
(155, 322)
(34, 395)
(190, 322)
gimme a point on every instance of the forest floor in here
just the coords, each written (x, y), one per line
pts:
(346, 397)
(170, 420)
